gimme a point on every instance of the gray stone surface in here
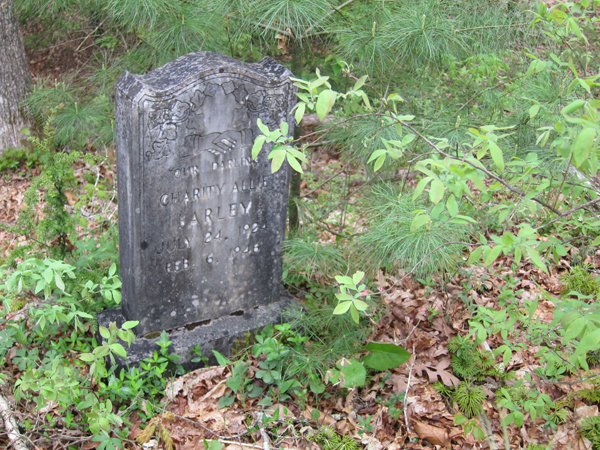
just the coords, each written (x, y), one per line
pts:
(217, 334)
(200, 223)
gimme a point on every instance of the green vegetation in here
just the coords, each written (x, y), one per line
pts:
(451, 185)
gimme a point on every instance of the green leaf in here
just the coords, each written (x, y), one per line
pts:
(536, 259)
(573, 106)
(533, 111)
(359, 83)
(496, 154)
(354, 373)
(118, 349)
(258, 145)
(518, 418)
(379, 163)
(385, 356)
(266, 401)
(225, 401)
(436, 191)
(357, 277)
(293, 162)
(360, 305)
(316, 387)
(213, 444)
(475, 255)
(354, 314)
(342, 308)
(398, 127)
(59, 282)
(130, 324)
(104, 332)
(507, 420)
(221, 359)
(325, 102)
(278, 157)
(300, 112)
(574, 329)
(491, 256)
(418, 222)
(421, 186)
(582, 146)
(47, 274)
(87, 357)
(284, 128)
(452, 205)
(263, 128)
(343, 279)
(518, 255)
(588, 343)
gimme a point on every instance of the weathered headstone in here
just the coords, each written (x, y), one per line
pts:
(200, 223)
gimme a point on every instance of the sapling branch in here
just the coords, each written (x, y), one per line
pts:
(476, 166)
(569, 212)
(563, 179)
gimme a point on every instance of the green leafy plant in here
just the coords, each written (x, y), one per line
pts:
(590, 429)
(280, 149)
(471, 426)
(349, 297)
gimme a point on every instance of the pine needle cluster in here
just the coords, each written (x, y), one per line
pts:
(579, 279)
(328, 439)
(312, 257)
(469, 399)
(389, 242)
(468, 362)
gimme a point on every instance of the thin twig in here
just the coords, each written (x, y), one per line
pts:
(569, 212)
(334, 10)
(477, 165)
(263, 433)
(241, 444)
(86, 38)
(407, 389)
(323, 183)
(490, 26)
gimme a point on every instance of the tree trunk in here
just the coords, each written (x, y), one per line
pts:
(15, 78)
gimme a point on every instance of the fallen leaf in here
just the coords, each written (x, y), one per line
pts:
(190, 380)
(433, 435)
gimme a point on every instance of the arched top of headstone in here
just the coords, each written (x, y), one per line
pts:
(193, 67)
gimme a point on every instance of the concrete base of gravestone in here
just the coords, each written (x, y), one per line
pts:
(217, 334)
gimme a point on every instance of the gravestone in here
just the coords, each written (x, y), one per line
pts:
(200, 222)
